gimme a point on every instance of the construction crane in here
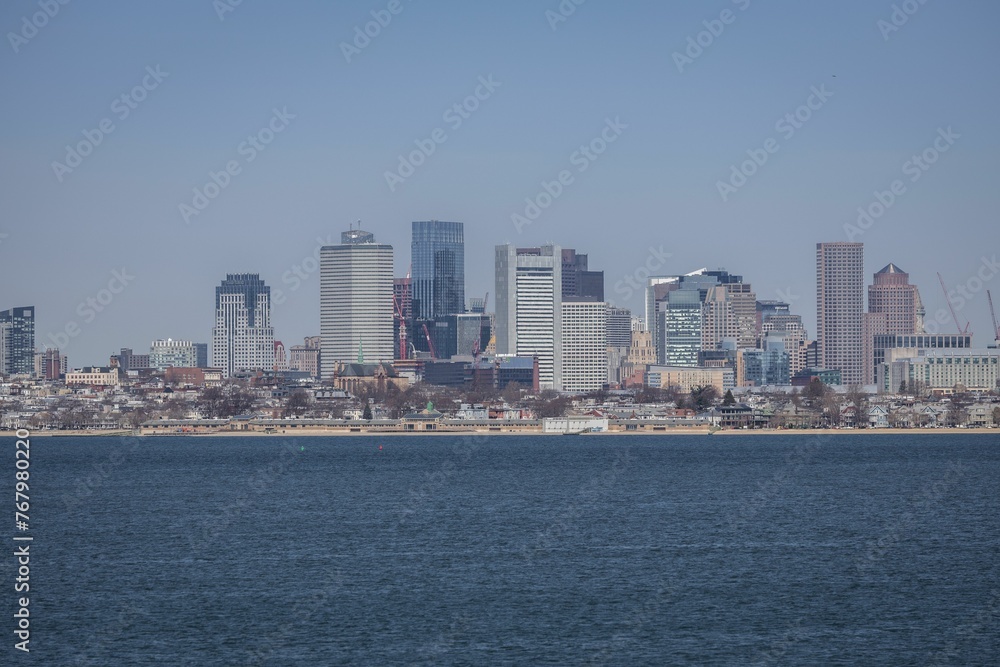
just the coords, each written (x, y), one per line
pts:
(430, 343)
(402, 327)
(951, 308)
(400, 315)
(477, 346)
(993, 314)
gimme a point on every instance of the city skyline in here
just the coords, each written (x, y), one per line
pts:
(623, 150)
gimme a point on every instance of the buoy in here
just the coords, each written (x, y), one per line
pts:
(380, 448)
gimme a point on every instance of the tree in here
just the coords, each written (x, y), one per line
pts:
(703, 396)
(816, 390)
(227, 401)
(729, 399)
(902, 386)
(297, 403)
(857, 396)
(996, 416)
(367, 414)
(512, 393)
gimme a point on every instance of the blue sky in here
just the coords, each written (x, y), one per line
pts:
(655, 186)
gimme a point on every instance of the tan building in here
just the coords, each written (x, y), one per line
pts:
(94, 376)
(686, 378)
(894, 307)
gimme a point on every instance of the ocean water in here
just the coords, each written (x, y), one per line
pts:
(476, 550)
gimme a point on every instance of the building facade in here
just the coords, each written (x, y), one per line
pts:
(243, 338)
(942, 369)
(17, 341)
(839, 308)
(529, 308)
(584, 346)
(356, 311)
(438, 282)
(894, 307)
(168, 352)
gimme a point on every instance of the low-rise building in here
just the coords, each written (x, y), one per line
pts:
(94, 376)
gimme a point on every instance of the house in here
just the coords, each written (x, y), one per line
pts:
(878, 417)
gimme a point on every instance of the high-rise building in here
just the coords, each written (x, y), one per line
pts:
(619, 327)
(201, 355)
(243, 338)
(177, 353)
(680, 327)
(17, 340)
(529, 308)
(438, 254)
(306, 358)
(584, 345)
(49, 364)
(280, 358)
(840, 295)
(356, 288)
(578, 282)
(894, 307)
(128, 361)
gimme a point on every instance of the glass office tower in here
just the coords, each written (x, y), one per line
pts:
(438, 284)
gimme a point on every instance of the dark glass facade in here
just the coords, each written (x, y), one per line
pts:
(20, 344)
(438, 284)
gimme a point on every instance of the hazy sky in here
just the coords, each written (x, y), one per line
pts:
(880, 95)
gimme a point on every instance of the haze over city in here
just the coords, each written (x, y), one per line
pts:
(316, 117)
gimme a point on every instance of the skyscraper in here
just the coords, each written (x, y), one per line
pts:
(584, 345)
(17, 340)
(578, 282)
(894, 307)
(529, 308)
(840, 296)
(438, 255)
(243, 338)
(356, 289)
